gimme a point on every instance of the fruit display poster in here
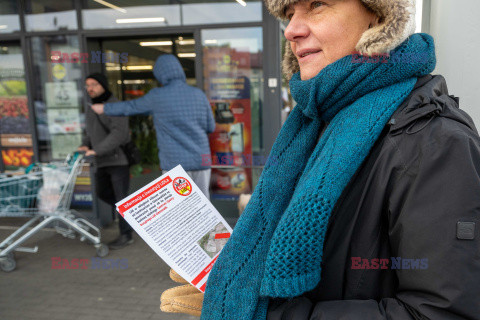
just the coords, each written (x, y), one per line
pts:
(15, 136)
(227, 85)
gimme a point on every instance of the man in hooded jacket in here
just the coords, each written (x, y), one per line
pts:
(182, 116)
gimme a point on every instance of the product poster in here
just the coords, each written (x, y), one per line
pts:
(82, 192)
(15, 136)
(227, 85)
(64, 144)
(64, 121)
(61, 94)
(63, 115)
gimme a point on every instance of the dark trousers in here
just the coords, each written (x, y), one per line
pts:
(112, 186)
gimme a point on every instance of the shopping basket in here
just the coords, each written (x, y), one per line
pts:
(44, 193)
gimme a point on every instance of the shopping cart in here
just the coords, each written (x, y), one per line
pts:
(44, 194)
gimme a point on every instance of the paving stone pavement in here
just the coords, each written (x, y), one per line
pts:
(36, 291)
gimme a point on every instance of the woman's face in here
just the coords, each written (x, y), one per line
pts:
(322, 32)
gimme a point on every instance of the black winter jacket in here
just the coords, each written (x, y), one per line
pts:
(105, 134)
(414, 202)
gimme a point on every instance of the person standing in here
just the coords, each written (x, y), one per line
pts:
(104, 137)
(182, 116)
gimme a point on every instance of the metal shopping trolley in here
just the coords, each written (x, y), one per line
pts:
(44, 194)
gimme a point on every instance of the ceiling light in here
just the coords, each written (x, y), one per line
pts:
(243, 3)
(3, 26)
(107, 4)
(139, 67)
(112, 68)
(213, 41)
(186, 42)
(140, 20)
(133, 81)
(156, 43)
(186, 55)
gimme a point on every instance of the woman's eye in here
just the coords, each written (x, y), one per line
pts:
(316, 4)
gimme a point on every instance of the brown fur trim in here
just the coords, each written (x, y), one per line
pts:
(290, 64)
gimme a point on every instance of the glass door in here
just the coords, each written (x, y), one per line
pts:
(132, 77)
(233, 82)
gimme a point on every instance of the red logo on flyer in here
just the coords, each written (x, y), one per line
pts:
(182, 186)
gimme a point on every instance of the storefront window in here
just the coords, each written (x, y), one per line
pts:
(15, 135)
(211, 12)
(9, 19)
(47, 15)
(116, 14)
(233, 73)
(58, 92)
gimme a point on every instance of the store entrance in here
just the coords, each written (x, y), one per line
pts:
(129, 68)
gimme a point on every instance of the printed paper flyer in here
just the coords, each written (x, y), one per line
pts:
(177, 221)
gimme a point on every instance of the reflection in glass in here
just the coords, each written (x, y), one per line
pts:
(116, 14)
(47, 15)
(9, 18)
(15, 132)
(58, 92)
(233, 73)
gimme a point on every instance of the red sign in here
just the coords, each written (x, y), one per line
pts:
(130, 203)
(182, 186)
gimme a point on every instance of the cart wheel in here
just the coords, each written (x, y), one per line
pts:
(102, 250)
(8, 264)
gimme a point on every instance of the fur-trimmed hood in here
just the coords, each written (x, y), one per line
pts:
(397, 23)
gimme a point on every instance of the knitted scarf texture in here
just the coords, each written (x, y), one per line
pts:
(277, 245)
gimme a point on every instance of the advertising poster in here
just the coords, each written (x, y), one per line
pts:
(15, 137)
(63, 114)
(82, 192)
(64, 144)
(61, 94)
(227, 85)
(64, 121)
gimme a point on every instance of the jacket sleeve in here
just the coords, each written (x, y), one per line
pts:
(86, 140)
(119, 134)
(141, 106)
(434, 214)
(210, 119)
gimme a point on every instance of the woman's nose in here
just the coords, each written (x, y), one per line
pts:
(297, 28)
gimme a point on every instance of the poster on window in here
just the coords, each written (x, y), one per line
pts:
(64, 144)
(64, 121)
(61, 94)
(227, 84)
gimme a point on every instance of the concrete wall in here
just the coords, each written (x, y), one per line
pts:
(455, 25)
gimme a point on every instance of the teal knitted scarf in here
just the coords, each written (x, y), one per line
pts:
(277, 245)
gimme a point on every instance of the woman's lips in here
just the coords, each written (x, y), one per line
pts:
(304, 56)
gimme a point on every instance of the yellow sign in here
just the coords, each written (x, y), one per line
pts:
(59, 71)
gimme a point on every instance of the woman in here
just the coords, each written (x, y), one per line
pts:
(369, 210)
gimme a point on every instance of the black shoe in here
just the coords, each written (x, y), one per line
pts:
(122, 241)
